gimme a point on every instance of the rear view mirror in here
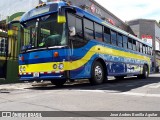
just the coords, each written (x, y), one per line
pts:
(72, 31)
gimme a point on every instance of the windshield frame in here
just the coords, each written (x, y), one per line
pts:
(37, 47)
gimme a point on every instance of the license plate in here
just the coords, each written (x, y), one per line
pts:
(36, 74)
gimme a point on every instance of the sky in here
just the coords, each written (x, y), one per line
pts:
(133, 9)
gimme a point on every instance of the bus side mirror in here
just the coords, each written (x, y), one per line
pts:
(72, 31)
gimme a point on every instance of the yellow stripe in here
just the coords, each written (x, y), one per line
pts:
(43, 67)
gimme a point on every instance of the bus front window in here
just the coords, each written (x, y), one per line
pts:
(45, 32)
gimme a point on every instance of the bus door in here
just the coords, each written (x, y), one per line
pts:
(76, 43)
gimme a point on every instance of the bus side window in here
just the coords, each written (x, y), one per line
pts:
(88, 29)
(120, 40)
(114, 37)
(141, 47)
(71, 20)
(130, 43)
(79, 29)
(107, 35)
(98, 32)
(125, 39)
(138, 46)
(151, 51)
(78, 39)
(134, 45)
(144, 49)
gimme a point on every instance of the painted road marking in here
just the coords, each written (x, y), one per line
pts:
(154, 85)
(122, 93)
(139, 94)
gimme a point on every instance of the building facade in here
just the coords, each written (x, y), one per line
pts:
(11, 10)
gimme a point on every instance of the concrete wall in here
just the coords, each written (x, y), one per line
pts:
(135, 29)
(157, 36)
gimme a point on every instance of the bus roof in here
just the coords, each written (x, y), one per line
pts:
(46, 10)
(42, 9)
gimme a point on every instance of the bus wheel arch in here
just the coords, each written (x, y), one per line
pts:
(98, 70)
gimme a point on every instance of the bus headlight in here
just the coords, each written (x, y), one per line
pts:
(24, 68)
(54, 66)
(61, 66)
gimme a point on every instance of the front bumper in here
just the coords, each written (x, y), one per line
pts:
(42, 76)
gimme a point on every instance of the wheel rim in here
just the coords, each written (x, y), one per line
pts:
(98, 73)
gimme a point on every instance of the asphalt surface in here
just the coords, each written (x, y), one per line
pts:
(130, 94)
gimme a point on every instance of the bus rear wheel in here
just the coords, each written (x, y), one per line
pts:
(145, 73)
(97, 74)
(58, 82)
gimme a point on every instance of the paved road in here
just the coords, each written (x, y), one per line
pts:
(130, 94)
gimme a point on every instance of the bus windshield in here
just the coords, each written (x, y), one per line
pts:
(44, 32)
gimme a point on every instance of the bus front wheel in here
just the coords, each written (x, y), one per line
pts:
(97, 74)
(58, 82)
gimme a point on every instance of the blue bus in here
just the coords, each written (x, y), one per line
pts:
(64, 42)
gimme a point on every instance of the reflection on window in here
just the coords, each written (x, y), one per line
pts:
(141, 47)
(138, 46)
(114, 37)
(98, 36)
(88, 24)
(98, 32)
(52, 34)
(134, 45)
(130, 43)
(89, 34)
(120, 40)
(98, 28)
(125, 40)
(144, 49)
(88, 31)
(107, 35)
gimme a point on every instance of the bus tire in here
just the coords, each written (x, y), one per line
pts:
(145, 73)
(58, 82)
(97, 74)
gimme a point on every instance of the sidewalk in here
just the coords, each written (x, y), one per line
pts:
(15, 86)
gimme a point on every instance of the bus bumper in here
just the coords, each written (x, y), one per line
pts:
(42, 76)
